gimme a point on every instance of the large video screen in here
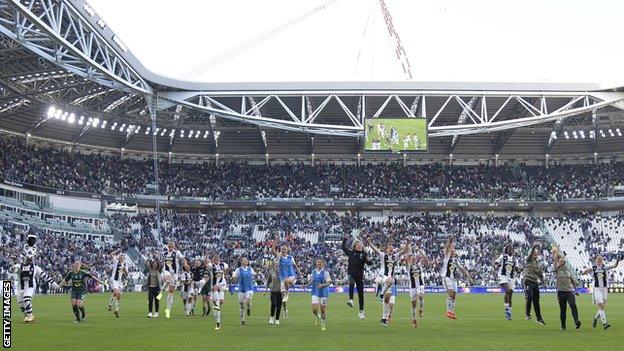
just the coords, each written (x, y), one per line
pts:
(396, 134)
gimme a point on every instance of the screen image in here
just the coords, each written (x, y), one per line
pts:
(396, 134)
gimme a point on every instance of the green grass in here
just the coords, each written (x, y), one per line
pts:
(481, 327)
(404, 126)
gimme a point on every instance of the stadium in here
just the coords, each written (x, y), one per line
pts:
(311, 174)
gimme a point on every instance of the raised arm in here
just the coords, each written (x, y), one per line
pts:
(617, 262)
(344, 246)
(372, 246)
(406, 247)
(448, 244)
(274, 247)
(422, 256)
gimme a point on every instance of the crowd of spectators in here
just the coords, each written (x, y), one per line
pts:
(106, 174)
(479, 239)
(56, 253)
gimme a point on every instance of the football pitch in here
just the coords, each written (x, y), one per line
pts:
(481, 326)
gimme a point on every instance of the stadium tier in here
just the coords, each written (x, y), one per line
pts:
(106, 174)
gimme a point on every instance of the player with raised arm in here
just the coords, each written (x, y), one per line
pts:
(118, 273)
(389, 260)
(173, 260)
(357, 261)
(186, 278)
(77, 279)
(319, 281)
(198, 271)
(450, 265)
(506, 266)
(28, 274)
(600, 272)
(287, 266)
(416, 268)
(244, 275)
(218, 286)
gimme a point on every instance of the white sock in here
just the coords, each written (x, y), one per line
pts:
(598, 314)
(413, 312)
(384, 289)
(169, 300)
(242, 313)
(117, 305)
(386, 311)
(217, 315)
(453, 305)
(449, 304)
(421, 300)
(603, 316)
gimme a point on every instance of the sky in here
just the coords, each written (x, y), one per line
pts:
(347, 40)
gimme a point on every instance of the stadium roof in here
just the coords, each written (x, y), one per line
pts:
(280, 118)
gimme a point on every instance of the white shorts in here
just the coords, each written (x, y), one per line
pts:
(600, 295)
(171, 277)
(247, 295)
(218, 295)
(414, 292)
(319, 300)
(381, 279)
(116, 285)
(187, 293)
(392, 300)
(450, 283)
(197, 286)
(20, 294)
(503, 279)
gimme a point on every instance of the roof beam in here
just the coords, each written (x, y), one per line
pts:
(503, 138)
(461, 120)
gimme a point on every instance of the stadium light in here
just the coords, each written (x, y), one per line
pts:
(566, 135)
(71, 119)
(101, 23)
(28, 135)
(51, 111)
(88, 9)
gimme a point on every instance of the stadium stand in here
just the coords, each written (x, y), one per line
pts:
(105, 174)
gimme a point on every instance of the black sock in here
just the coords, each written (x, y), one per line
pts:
(76, 312)
(82, 310)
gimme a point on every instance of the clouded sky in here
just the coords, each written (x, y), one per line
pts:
(347, 40)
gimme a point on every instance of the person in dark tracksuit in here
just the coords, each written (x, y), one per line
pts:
(566, 289)
(274, 286)
(357, 261)
(153, 284)
(532, 274)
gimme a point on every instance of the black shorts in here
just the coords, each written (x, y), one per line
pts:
(205, 289)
